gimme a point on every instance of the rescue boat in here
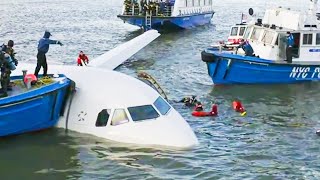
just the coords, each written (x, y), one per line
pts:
(172, 14)
(267, 37)
(32, 108)
(213, 112)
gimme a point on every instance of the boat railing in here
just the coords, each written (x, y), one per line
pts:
(195, 10)
(152, 8)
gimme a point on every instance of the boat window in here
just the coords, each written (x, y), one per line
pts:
(119, 117)
(268, 37)
(247, 33)
(234, 31)
(242, 29)
(318, 39)
(210, 2)
(307, 39)
(256, 33)
(103, 117)
(162, 106)
(139, 113)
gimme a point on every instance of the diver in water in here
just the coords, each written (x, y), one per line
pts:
(189, 101)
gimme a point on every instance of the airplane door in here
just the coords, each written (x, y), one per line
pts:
(282, 39)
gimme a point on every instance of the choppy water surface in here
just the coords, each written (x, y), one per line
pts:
(275, 141)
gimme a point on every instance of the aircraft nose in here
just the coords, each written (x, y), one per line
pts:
(177, 132)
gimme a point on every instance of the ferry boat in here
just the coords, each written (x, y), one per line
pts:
(32, 108)
(268, 39)
(167, 14)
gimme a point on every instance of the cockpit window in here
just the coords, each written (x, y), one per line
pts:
(234, 31)
(103, 117)
(119, 117)
(242, 29)
(162, 106)
(139, 113)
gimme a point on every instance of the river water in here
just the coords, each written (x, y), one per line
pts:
(276, 140)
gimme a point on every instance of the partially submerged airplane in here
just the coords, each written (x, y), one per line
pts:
(118, 107)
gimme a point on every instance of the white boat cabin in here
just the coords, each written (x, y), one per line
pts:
(236, 33)
(268, 35)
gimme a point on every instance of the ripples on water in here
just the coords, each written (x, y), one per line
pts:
(276, 140)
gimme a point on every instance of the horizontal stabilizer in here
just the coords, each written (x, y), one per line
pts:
(115, 57)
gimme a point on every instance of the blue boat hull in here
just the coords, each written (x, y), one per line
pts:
(32, 111)
(159, 22)
(226, 68)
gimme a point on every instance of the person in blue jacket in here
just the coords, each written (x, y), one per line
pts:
(246, 47)
(290, 43)
(43, 48)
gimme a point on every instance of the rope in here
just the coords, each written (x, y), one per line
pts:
(150, 79)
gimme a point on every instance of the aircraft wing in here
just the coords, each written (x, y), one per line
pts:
(115, 57)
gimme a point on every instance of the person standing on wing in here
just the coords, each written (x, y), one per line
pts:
(43, 48)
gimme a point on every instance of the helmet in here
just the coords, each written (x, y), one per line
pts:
(10, 43)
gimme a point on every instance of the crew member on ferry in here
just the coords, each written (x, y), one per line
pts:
(247, 48)
(290, 43)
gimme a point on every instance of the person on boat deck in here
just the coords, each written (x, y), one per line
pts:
(290, 43)
(8, 55)
(43, 48)
(246, 47)
(82, 58)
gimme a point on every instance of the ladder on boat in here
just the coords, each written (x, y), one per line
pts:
(148, 22)
(154, 83)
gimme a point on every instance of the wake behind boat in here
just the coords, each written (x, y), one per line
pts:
(169, 14)
(268, 38)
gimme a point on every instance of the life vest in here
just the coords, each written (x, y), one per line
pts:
(32, 77)
(237, 106)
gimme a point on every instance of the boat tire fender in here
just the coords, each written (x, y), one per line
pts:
(207, 57)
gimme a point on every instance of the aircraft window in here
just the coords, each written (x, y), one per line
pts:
(307, 39)
(242, 29)
(247, 33)
(139, 113)
(234, 31)
(162, 106)
(256, 33)
(119, 117)
(318, 39)
(267, 37)
(103, 117)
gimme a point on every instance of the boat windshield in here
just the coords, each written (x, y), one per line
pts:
(234, 31)
(162, 106)
(139, 113)
(242, 29)
(247, 33)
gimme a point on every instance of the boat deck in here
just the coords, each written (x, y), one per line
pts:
(229, 52)
(18, 86)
